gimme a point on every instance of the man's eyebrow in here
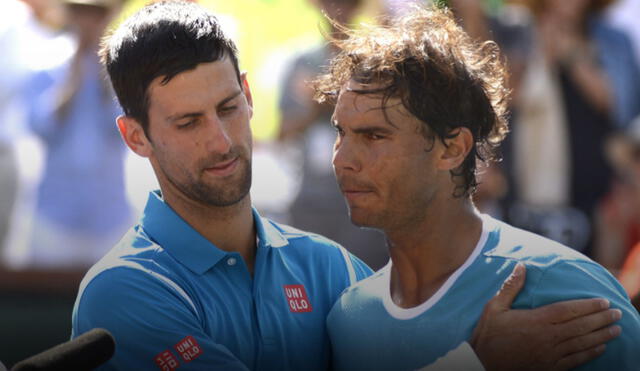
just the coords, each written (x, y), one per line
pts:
(366, 129)
(180, 116)
(372, 129)
(229, 98)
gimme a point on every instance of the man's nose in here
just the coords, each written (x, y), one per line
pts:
(345, 155)
(218, 139)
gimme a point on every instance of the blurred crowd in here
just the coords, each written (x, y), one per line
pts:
(571, 164)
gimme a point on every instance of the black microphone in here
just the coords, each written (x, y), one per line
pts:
(85, 352)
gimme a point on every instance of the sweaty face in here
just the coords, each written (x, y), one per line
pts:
(200, 134)
(384, 166)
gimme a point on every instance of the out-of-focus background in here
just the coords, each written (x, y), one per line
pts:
(69, 188)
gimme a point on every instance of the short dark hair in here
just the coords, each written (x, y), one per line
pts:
(161, 40)
(441, 76)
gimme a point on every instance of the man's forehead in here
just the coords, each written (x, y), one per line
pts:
(358, 98)
(221, 69)
(364, 99)
(218, 76)
(363, 104)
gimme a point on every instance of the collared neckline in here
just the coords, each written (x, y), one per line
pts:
(188, 246)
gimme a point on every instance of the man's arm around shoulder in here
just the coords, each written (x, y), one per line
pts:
(557, 336)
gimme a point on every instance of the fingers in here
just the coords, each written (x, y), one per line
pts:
(589, 341)
(576, 359)
(501, 302)
(568, 310)
(588, 324)
(509, 290)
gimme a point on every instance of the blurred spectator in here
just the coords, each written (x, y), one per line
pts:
(624, 14)
(8, 168)
(581, 82)
(29, 40)
(617, 247)
(509, 25)
(618, 217)
(319, 206)
(81, 208)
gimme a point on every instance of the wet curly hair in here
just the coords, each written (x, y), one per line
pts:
(442, 77)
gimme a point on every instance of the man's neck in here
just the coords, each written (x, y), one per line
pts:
(230, 228)
(426, 254)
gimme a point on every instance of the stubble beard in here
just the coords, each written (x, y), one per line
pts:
(216, 195)
(365, 219)
(222, 195)
(389, 218)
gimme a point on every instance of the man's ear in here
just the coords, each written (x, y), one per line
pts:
(247, 92)
(134, 136)
(457, 149)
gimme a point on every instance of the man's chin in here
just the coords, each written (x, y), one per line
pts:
(362, 219)
(221, 202)
(224, 196)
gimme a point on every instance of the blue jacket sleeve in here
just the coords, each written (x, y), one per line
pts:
(154, 323)
(581, 279)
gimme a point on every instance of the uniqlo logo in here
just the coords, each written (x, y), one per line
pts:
(188, 349)
(166, 361)
(297, 298)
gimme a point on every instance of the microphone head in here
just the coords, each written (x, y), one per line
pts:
(85, 352)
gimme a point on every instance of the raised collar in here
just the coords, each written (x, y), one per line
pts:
(188, 246)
